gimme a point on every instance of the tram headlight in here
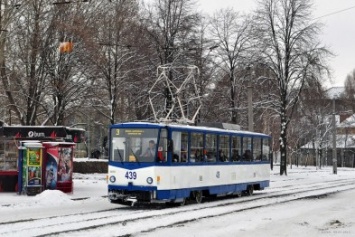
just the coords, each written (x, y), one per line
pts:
(149, 180)
(112, 179)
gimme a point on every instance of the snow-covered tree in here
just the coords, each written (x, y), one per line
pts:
(230, 30)
(289, 47)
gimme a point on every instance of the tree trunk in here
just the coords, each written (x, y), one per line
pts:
(233, 105)
(283, 147)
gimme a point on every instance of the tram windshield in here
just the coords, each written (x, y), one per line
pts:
(134, 145)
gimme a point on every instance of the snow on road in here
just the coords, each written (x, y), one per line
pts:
(328, 215)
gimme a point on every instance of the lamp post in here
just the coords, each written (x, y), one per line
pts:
(250, 101)
(101, 146)
(334, 140)
(250, 108)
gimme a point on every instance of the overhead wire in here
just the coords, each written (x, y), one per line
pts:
(334, 13)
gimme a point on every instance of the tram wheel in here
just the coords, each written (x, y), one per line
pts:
(183, 203)
(175, 204)
(250, 190)
(198, 196)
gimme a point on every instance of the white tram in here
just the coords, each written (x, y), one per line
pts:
(154, 162)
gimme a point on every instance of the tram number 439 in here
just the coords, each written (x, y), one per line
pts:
(131, 175)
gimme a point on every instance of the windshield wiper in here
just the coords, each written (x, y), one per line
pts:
(119, 154)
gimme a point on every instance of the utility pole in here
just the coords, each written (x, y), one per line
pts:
(250, 108)
(250, 100)
(334, 141)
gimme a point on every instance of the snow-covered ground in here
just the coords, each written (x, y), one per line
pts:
(328, 215)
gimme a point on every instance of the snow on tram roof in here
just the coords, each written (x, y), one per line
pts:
(214, 129)
(184, 126)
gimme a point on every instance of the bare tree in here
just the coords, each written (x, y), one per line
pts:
(24, 77)
(311, 120)
(231, 33)
(112, 57)
(9, 10)
(43, 85)
(290, 49)
(172, 28)
(67, 80)
(170, 24)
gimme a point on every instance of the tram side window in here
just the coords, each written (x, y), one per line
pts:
(236, 148)
(184, 146)
(247, 149)
(257, 154)
(211, 147)
(180, 146)
(223, 154)
(266, 151)
(196, 149)
(162, 147)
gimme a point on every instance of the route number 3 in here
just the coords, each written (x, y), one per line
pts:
(131, 175)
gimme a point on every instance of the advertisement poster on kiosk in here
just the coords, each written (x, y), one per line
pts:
(59, 166)
(51, 169)
(32, 168)
(65, 165)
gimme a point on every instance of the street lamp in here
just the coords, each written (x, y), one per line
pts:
(101, 139)
(250, 101)
(334, 141)
(250, 108)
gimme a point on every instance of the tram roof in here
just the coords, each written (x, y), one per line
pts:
(184, 127)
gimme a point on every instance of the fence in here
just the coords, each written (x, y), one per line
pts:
(305, 157)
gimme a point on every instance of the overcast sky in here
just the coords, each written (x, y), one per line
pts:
(338, 17)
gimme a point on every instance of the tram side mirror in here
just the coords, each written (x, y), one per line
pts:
(170, 145)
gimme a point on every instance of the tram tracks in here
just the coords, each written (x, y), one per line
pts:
(123, 220)
(249, 204)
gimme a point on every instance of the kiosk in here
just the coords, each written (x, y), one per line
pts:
(19, 170)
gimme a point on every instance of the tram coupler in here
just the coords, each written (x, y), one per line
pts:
(133, 200)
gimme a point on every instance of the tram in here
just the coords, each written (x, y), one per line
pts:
(173, 163)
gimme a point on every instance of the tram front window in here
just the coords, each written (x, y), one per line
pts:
(134, 145)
